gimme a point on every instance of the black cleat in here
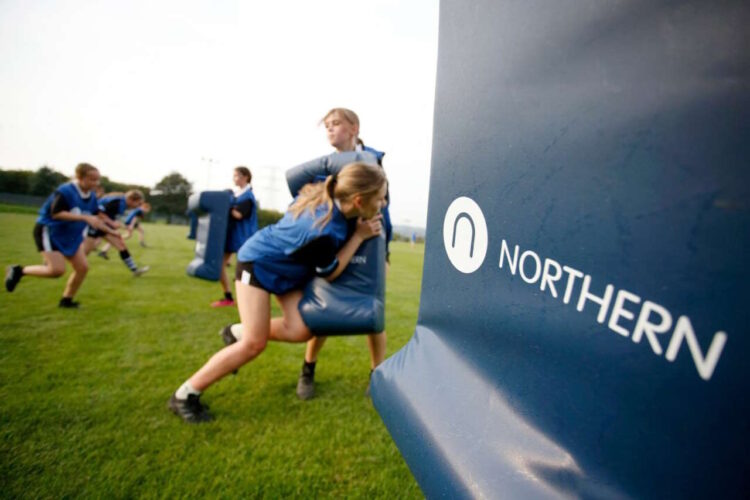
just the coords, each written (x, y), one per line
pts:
(13, 275)
(190, 410)
(103, 255)
(229, 339)
(306, 383)
(67, 303)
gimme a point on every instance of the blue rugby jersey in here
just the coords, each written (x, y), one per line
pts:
(68, 235)
(113, 206)
(239, 231)
(136, 212)
(278, 252)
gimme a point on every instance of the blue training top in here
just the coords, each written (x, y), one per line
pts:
(136, 212)
(281, 262)
(239, 230)
(67, 235)
(113, 206)
(318, 169)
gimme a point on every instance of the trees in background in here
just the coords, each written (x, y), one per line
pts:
(171, 194)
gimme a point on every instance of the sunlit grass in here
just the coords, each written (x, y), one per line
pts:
(84, 392)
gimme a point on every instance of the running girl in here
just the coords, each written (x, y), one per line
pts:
(58, 233)
(110, 207)
(310, 239)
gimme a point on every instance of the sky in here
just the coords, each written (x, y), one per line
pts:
(144, 88)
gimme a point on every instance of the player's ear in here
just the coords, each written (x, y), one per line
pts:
(357, 201)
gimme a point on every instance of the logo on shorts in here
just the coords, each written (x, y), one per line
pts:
(465, 235)
(246, 277)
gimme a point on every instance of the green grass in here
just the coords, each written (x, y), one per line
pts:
(83, 392)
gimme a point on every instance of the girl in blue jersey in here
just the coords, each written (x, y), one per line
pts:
(280, 259)
(111, 206)
(133, 223)
(243, 223)
(342, 130)
(58, 233)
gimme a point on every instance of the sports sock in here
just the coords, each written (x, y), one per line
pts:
(128, 260)
(185, 390)
(309, 368)
(228, 295)
(237, 330)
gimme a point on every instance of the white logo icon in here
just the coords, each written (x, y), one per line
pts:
(465, 235)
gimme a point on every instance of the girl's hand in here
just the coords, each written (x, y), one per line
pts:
(98, 223)
(368, 228)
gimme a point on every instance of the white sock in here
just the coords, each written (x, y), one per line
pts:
(185, 390)
(236, 330)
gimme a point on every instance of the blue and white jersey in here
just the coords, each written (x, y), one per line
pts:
(240, 230)
(291, 252)
(113, 206)
(67, 235)
(136, 212)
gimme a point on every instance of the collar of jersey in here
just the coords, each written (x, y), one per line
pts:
(85, 196)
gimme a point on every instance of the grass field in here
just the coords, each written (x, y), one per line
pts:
(83, 392)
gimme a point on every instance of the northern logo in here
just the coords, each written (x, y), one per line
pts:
(465, 235)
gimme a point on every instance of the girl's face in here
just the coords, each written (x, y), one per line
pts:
(133, 202)
(239, 179)
(341, 134)
(370, 207)
(89, 181)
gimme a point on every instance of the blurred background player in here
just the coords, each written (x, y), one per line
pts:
(132, 222)
(58, 233)
(243, 223)
(111, 206)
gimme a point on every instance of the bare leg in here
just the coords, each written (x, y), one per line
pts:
(376, 342)
(90, 244)
(116, 241)
(53, 267)
(313, 347)
(289, 327)
(80, 268)
(223, 276)
(254, 306)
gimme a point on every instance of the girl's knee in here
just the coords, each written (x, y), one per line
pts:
(252, 347)
(56, 271)
(81, 268)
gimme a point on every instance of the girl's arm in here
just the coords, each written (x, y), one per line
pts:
(366, 229)
(91, 220)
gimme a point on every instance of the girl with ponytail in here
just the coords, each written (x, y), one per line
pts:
(311, 239)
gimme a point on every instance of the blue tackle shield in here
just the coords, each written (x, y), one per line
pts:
(212, 209)
(583, 322)
(354, 303)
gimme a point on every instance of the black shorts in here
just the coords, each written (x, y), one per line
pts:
(244, 274)
(93, 232)
(42, 239)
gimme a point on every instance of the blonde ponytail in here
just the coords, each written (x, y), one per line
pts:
(354, 179)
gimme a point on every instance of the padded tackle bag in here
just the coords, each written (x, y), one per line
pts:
(211, 233)
(354, 303)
